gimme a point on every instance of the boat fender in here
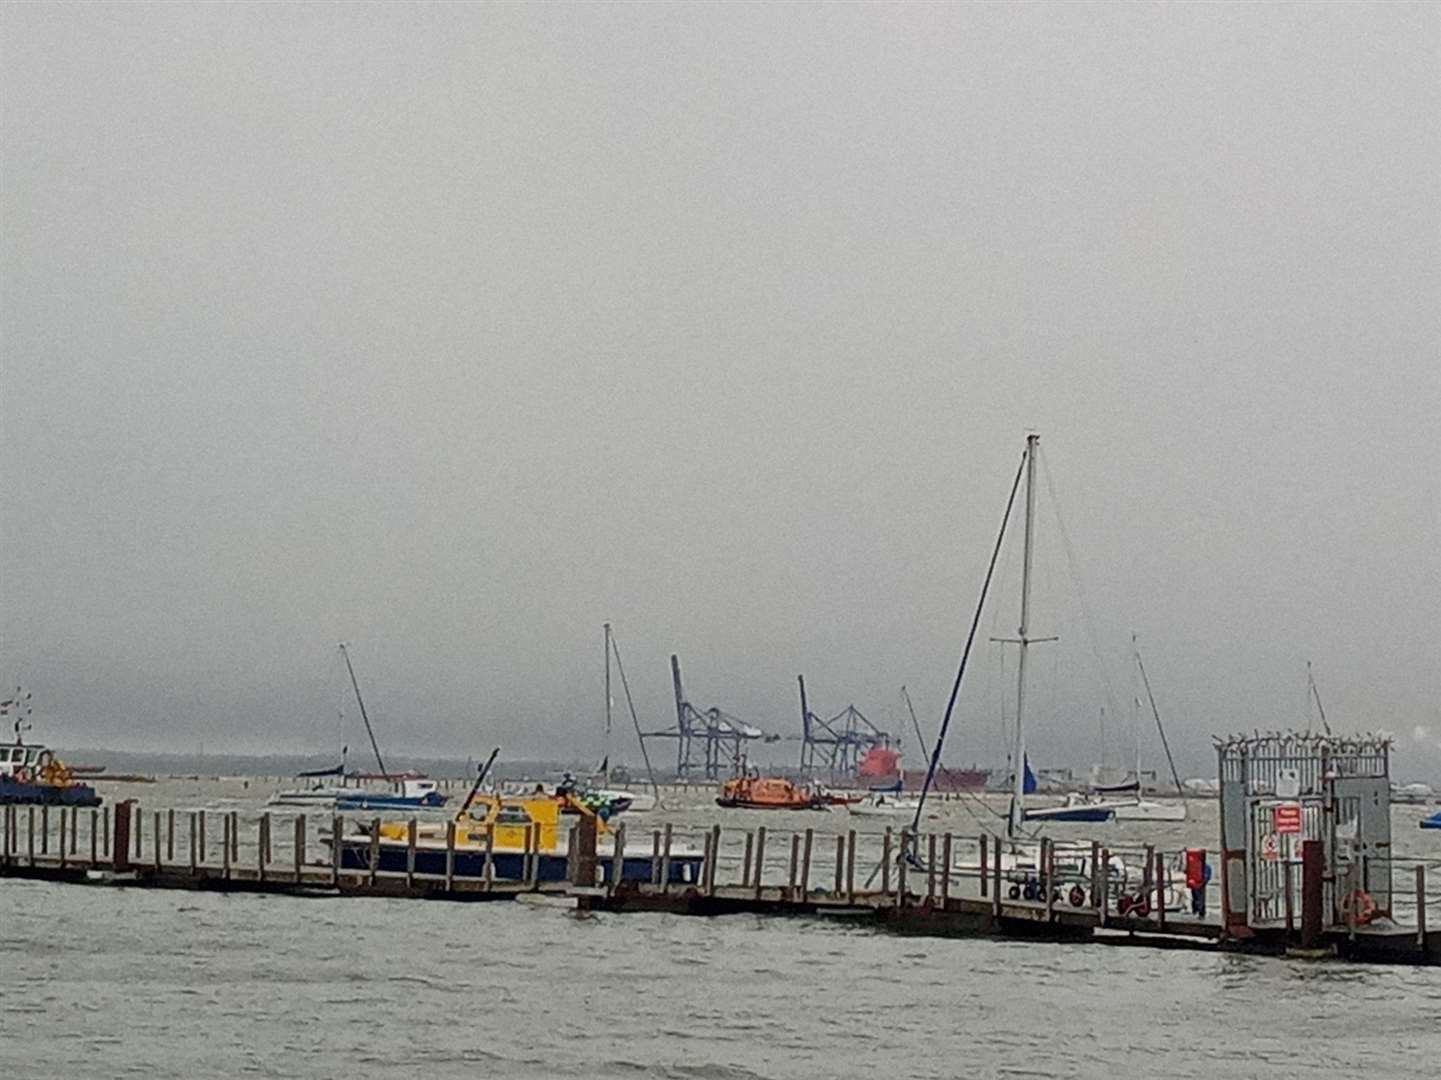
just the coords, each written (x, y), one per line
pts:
(1359, 901)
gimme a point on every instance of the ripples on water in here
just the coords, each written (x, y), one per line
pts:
(107, 982)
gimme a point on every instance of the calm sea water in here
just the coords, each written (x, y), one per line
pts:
(124, 982)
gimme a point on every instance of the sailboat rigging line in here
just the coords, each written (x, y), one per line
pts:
(1091, 637)
(916, 724)
(1159, 727)
(966, 653)
(1316, 693)
(363, 715)
(634, 719)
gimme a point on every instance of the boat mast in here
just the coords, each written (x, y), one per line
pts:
(1160, 728)
(605, 749)
(1018, 760)
(1136, 715)
(363, 715)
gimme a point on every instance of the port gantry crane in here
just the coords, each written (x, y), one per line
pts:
(719, 735)
(837, 744)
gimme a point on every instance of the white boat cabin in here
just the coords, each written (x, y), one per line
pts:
(14, 756)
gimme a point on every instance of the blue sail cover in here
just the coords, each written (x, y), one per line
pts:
(1028, 779)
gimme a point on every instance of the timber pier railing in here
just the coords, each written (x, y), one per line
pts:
(927, 883)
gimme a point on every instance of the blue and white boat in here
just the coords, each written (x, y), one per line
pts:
(1432, 822)
(31, 773)
(406, 795)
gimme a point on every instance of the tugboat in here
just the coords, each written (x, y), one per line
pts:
(31, 773)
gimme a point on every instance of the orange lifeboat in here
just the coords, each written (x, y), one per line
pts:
(767, 793)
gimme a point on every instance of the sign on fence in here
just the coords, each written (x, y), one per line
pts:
(1286, 818)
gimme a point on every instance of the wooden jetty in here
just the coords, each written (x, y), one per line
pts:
(938, 884)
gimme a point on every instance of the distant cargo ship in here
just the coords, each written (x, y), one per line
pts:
(881, 770)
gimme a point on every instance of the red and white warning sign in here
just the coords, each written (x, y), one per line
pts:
(1286, 818)
(1270, 848)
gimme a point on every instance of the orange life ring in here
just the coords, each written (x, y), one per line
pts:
(1359, 902)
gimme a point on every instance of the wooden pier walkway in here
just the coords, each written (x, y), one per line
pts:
(912, 884)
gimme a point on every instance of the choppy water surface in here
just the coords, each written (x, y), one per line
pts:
(124, 982)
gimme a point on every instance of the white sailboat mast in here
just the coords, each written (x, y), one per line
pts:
(1018, 760)
(605, 748)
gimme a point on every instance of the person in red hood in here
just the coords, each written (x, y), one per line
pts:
(1198, 872)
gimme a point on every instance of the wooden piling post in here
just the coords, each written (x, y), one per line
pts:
(1352, 885)
(225, 860)
(45, 832)
(74, 830)
(901, 868)
(715, 843)
(374, 849)
(300, 837)
(1161, 890)
(617, 859)
(791, 872)
(850, 867)
(1048, 866)
(840, 863)
(535, 854)
(5, 828)
(996, 882)
(204, 852)
(806, 865)
(1289, 898)
(1095, 854)
(1421, 905)
(931, 867)
(489, 869)
(581, 851)
(655, 857)
(946, 870)
(235, 836)
(105, 833)
(262, 845)
(449, 855)
(156, 840)
(760, 859)
(1101, 883)
(337, 849)
(94, 848)
(985, 864)
(886, 862)
(120, 848)
(410, 854)
(746, 862)
(192, 838)
(30, 836)
(665, 859)
(170, 836)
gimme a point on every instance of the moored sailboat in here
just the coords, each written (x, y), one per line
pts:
(411, 791)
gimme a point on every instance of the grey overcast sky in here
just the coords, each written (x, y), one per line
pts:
(456, 330)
